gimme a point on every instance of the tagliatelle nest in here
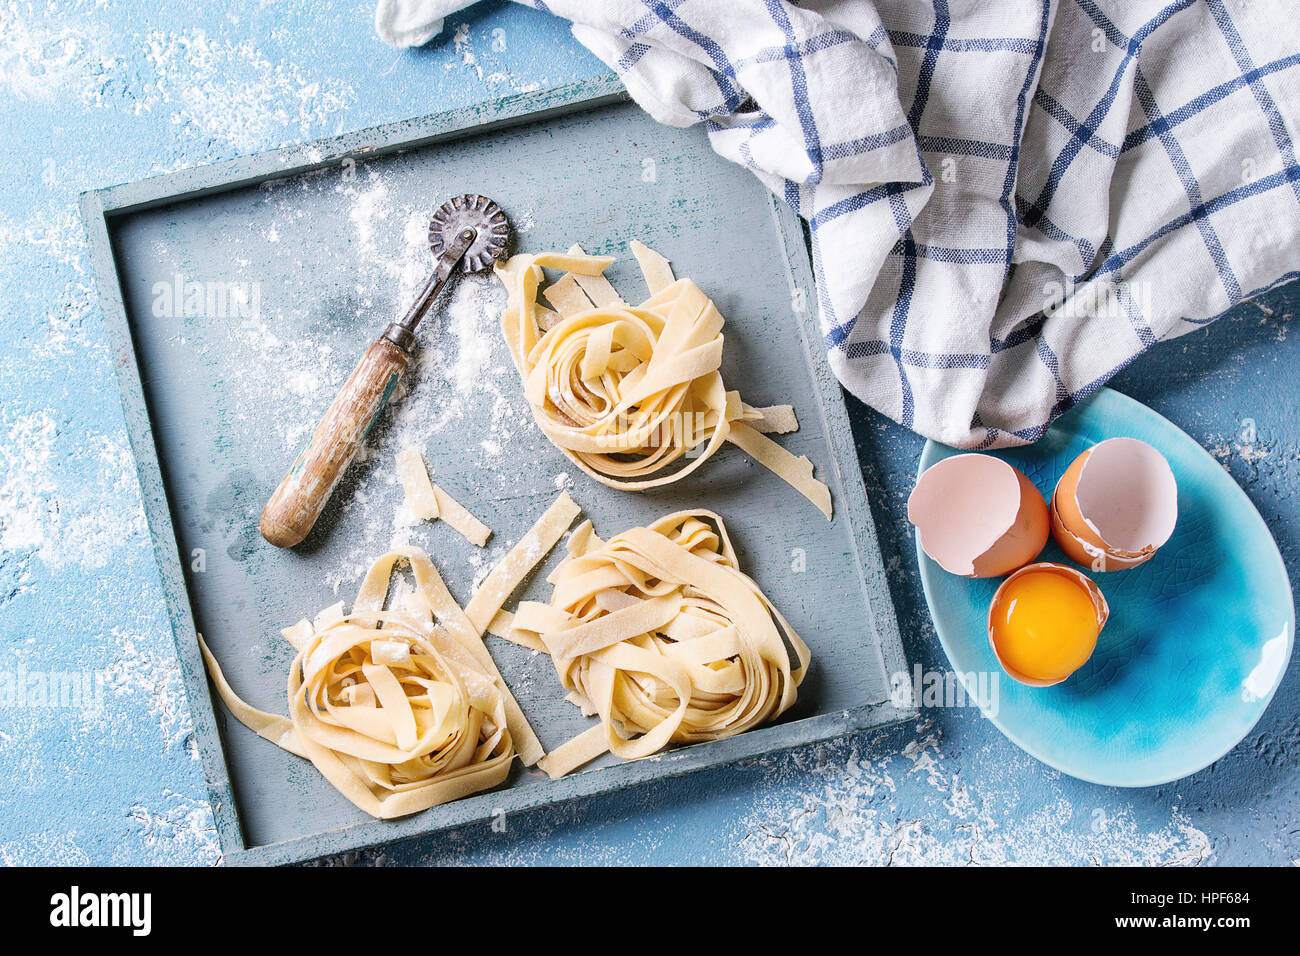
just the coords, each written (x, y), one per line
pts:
(660, 633)
(626, 392)
(402, 709)
(396, 715)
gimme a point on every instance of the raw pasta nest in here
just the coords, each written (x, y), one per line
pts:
(398, 712)
(414, 727)
(391, 711)
(627, 392)
(660, 633)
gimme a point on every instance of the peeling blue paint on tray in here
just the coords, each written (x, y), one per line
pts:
(95, 96)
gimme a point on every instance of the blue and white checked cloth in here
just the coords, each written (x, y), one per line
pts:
(1008, 201)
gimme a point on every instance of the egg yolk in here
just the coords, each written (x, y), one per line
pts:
(1044, 626)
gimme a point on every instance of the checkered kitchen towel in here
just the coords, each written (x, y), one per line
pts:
(1009, 201)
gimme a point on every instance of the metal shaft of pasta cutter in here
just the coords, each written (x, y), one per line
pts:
(468, 234)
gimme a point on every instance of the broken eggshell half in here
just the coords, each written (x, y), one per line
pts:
(1115, 505)
(977, 516)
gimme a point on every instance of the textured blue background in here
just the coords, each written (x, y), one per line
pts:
(94, 96)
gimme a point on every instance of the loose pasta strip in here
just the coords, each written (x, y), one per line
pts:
(659, 633)
(778, 419)
(658, 273)
(428, 501)
(632, 395)
(798, 471)
(567, 297)
(597, 288)
(402, 708)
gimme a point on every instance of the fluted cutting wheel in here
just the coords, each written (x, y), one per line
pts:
(486, 218)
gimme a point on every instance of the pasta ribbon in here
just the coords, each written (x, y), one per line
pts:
(428, 501)
(633, 395)
(662, 635)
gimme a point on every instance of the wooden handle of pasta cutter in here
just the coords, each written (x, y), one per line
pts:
(303, 492)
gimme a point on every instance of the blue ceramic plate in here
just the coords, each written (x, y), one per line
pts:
(1198, 637)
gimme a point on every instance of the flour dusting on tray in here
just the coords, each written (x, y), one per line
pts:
(457, 401)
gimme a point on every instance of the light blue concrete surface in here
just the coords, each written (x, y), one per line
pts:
(98, 95)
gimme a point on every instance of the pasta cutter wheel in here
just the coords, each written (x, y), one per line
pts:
(490, 225)
(468, 233)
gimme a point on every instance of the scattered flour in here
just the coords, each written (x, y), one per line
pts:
(370, 211)
(231, 92)
(62, 503)
(44, 849)
(59, 237)
(850, 810)
(150, 669)
(181, 824)
(43, 58)
(461, 42)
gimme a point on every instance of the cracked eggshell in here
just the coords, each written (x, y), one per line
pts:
(1115, 505)
(1099, 606)
(977, 516)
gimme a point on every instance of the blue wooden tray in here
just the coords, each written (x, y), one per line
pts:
(301, 256)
